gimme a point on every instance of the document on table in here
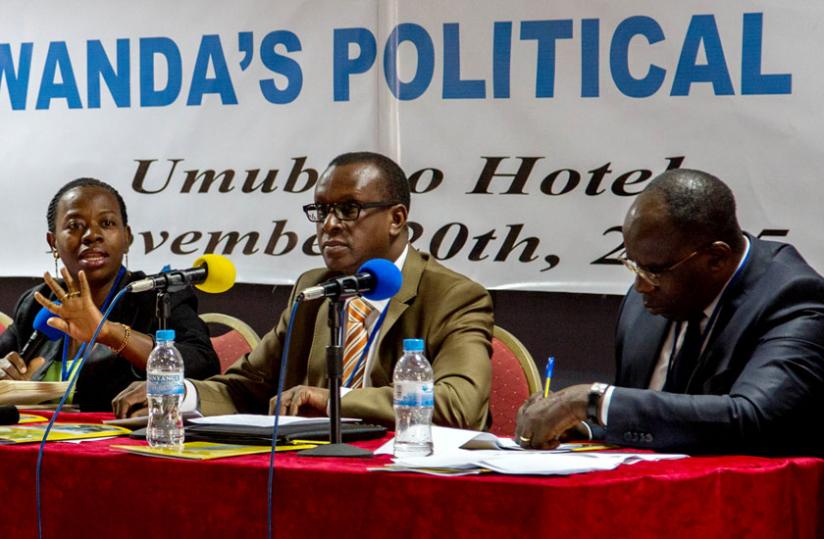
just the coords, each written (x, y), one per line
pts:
(446, 440)
(254, 420)
(451, 455)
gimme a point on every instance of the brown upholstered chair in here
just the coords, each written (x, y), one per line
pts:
(233, 344)
(514, 378)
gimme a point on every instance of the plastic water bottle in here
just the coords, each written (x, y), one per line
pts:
(164, 390)
(413, 382)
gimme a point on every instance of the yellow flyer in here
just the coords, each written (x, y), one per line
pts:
(31, 418)
(33, 432)
(207, 450)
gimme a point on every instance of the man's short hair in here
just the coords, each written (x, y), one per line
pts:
(700, 205)
(395, 182)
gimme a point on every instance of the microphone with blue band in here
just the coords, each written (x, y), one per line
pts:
(376, 279)
(42, 333)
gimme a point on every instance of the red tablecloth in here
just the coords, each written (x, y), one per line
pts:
(91, 490)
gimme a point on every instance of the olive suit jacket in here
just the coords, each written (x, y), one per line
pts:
(452, 313)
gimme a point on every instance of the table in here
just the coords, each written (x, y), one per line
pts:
(91, 490)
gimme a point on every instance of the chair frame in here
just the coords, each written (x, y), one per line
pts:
(533, 377)
(235, 323)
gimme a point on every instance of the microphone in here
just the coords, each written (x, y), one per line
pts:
(9, 415)
(42, 333)
(376, 279)
(210, 273)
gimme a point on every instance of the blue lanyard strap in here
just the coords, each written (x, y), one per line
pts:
(64, 365)
(365, 353)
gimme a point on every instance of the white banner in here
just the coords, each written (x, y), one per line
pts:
(526, 127)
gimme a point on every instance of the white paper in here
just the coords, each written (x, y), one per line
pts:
(255, 420)
(446, 440)
(450, 452)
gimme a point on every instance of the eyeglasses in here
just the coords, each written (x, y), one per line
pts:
(654, 277)
(344, 211)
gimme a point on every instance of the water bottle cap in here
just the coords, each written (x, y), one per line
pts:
(413, 345)
(164, 335)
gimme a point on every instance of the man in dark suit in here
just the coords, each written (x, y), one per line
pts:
(719, 345)
(360, 210)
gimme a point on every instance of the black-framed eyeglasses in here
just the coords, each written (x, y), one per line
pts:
(653, 277)
(344, 211)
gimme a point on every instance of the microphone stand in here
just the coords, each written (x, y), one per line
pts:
(163, 302)
(163, 309)
(334, 369)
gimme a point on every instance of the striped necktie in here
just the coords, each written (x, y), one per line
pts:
(356, 337)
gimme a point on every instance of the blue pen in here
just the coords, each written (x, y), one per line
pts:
(550, 366)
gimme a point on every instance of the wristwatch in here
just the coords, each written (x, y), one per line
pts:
(594, 398)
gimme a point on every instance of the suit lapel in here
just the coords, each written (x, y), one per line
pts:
(412, 271)
(317, 353)
(718, 350)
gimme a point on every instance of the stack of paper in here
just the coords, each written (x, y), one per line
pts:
(28, 392)
(453, 456)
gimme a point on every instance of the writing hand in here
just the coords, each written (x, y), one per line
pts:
(542, 421)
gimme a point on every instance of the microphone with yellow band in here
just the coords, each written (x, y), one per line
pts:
(210, 273)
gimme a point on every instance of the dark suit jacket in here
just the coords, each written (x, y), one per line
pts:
(758, 385)
(450, 312)
(106, 374)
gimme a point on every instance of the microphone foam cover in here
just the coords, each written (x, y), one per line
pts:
(221, 273)
(9, 415)
(387, 277)
(40, 324)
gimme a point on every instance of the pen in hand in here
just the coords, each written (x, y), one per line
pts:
(550, 366)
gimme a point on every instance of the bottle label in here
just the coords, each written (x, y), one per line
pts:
(164, 383)
(414, 394)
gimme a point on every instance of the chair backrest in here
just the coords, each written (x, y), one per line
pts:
(514, 378)
(5, 321)
(233, 344)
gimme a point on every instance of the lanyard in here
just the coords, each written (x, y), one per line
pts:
(65, 371)
(362, 358)
(716, 310)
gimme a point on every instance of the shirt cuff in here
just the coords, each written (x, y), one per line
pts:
(588, 429)
(604, 413)
(189, 403)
